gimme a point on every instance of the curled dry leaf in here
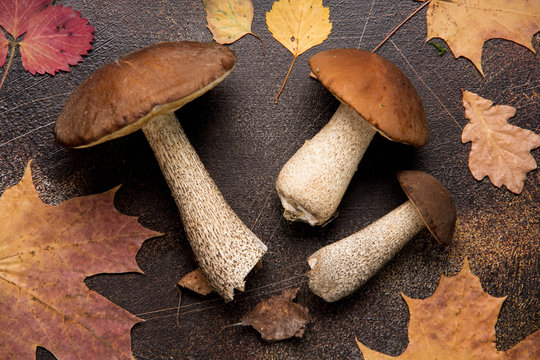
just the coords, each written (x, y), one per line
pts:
(457, 322)
(46, 252)
(298, 25)
(278, 317)
(466, 24)
(499, 150)
(196, 282)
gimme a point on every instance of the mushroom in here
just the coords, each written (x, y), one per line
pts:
(339, 269)
(375, 96)
(141, 91)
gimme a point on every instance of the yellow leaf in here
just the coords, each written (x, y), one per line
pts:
(499, 150)
(457, 322)
(466, 24)
(229, 20)
(298, 25)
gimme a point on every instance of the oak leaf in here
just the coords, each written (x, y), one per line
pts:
(499, 150)
(298, 25)
(457, 322)
(466, 24)
(45, 253)
(54, 36)
(278, 317)
(197, 282)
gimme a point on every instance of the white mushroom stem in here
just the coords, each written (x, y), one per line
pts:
(223, 245)
(313, 181)
(339, 269)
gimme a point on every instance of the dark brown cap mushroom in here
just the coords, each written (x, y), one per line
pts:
(375, 96)
(432, 201)
(141, 91)
(377, 89)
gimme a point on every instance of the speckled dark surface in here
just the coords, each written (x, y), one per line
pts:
(244, 138)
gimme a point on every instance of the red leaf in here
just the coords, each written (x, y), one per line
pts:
(54, 36)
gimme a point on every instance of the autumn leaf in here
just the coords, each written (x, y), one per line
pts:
(229, 20)
(466, 24)
(499, 150)
(278, 317)
(457, 322)
(196, 281)
(54, 36)
(298, 25)
(45, 253)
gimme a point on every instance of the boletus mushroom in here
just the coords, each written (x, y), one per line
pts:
(339, 269)
(141, 91)
(375, 97)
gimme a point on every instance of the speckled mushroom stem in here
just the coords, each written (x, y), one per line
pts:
(313, 181)
(339, 269)
(223, 245)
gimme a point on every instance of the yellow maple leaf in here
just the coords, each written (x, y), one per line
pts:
(229, 20)
(298, 25)
(499, 150)
(466, 24)
(457, 322)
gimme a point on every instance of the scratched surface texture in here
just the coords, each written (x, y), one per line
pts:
(244, 138)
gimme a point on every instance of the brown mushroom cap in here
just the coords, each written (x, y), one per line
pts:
(376, 89)
(432, 201)
(122, 96)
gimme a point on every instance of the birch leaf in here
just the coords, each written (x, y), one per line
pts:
(298, 25)
(499, 150)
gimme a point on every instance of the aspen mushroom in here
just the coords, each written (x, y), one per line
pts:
(141, 91)
(375, 97)
(339, 269)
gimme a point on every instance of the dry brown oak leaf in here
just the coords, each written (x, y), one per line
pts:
(278, 317)
(466, 24)
(45, 253)
(457, 322)
(499, 150)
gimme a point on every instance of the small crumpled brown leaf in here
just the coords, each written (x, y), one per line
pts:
(278, 317)
(196, 281)
(457, 322)
(499, 150)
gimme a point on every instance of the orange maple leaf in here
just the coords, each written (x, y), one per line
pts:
(499, 150)
(45, 253)
(457, 322)
(466, 24)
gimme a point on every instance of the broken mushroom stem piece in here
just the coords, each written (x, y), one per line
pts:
(141, 91)
(339, 269)
(375, 97)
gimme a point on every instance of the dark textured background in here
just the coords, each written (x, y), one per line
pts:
(244, 138)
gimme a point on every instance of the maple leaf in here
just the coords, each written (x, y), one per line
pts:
(466, 24)
(229, 20)
(457, 322)
(54, 36)
(45, 253)
(278, 317)
(499, 150)
(298, 25)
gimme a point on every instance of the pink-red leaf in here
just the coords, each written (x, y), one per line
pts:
(45, 253)
(15, 15)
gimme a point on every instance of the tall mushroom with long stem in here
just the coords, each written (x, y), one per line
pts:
(339, 269)
(141, 91)
(375, 97)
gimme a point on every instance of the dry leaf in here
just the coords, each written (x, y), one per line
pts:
(196, 282)
(457, 322)
(466, 24)
(499, 150)
(278, 318)
(45, 253)
(229, 20)
(298, 25)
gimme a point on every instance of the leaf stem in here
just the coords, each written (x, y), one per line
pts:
(286, 77)
(397, 27)
(13, 45)
(261, 40)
